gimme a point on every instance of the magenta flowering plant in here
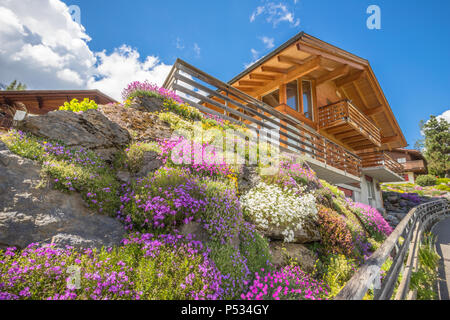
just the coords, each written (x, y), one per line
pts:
(374, 222)
(293, 175)
(289, 283)
(137, 88)
(202, 160)
(172, 198)
(144, 267)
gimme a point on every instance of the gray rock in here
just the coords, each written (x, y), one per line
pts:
(151, 163)
(150, 104)
(40, 215)
(309, 233)
(248, 178)
(282, 252)
(90, 130)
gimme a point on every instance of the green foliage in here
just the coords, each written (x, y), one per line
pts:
(133, 158)
(426, 180)
(335, 190)
(70, 170)
(437, 145)
(255, 249)
(16, 86)
(443, 181)
(76, 106)
(335, 270)
(158, 271)
(424, 279)
(443, 187)
(231, 263)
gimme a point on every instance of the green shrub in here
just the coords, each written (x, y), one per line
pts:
(255, 249)
(335, 271)
(443, 187)
(426, 180)
(76, 106)
(443, 181)
(424, 279)
(134, 155)
(233, 267)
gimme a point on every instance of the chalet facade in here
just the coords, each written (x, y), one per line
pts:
(413, 162)
(322, 101)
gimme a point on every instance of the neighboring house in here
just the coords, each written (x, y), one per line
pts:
(320, 100)
(43, 101)
(413, 162)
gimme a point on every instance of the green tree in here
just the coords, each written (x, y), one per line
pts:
(436, 145)
(16, 86)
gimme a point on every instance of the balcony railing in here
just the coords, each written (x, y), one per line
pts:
(380, 159)
(349, 125)
(416, 165)
(210, 95)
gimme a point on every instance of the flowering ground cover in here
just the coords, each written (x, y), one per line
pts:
(156, 261)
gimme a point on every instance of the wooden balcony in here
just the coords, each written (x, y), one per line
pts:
(349, 125)
(415, 166)
(381, 166)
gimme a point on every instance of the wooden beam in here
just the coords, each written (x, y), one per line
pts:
(350, 78)
(389, 139)
(296, 73)
(290, 60)
(274, 69)
(333, 75)
(257, 76)
(353, 139)
(251, 83)
(311, 50)
(374, 111)
(346, 134)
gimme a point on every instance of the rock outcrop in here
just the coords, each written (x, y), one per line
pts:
(90, 130)
(282, 253)
(142, 125)
(40, 215)
(398, 205)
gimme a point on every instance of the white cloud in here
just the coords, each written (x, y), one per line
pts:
(123, 66)
(197, 50)
(276, 13)
(268, 42)
(44, 48)
(445, 115)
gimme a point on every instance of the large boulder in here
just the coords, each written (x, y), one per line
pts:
(143, 125)
(283, 253)
(90, 130)
(309, 232)
(29, 214)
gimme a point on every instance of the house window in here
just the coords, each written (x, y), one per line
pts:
(370, 192)
(307, 99)
(292, 95)
(272, 99)
(401, 160)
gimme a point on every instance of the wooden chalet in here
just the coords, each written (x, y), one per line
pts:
(322, 101)
(413, 162)
(44, 101)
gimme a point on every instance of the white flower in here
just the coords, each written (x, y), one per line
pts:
(272, 206)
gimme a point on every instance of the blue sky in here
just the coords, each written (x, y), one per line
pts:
(410, 55)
